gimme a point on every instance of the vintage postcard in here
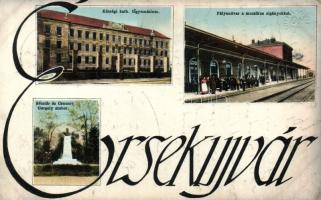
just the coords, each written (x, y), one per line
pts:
(160, 99)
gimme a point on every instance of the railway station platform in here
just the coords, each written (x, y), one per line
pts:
(282, 91)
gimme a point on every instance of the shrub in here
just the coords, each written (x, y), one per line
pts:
(65, 170)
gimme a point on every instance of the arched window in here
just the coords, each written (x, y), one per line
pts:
(214, 68)
(229, 70)
(193, 74)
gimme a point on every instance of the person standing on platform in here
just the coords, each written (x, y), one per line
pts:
(212, 84)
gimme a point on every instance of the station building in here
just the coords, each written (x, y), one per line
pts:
(83, 44)
(208, 54)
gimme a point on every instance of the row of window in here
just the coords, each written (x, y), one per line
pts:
(119, 39)
(92, 60)
(92, 47)
(48, 30)
(113, 49)
(144, 62)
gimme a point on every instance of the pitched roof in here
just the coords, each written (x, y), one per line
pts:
(97, 23)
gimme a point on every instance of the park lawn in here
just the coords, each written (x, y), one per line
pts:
(64, 180)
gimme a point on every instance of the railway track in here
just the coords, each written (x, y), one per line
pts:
(285, 94)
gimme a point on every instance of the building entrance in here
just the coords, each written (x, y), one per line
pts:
(228, 69)
(214, 69)
(113, 63)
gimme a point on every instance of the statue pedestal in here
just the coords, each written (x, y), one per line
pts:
(66, 158)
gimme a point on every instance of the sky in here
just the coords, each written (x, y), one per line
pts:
(63, 115)
(161, 21)
(298, 29)
(54, 106)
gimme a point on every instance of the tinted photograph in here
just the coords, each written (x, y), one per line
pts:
(106, 44)
(265, 54)
(66, 141)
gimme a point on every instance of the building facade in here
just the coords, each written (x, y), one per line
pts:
(207, 54)
(86, 44)
(271, 46)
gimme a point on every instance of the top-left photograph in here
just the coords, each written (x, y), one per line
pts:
(106, 44)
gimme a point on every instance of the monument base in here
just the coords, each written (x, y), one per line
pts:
(67, 162)
(66, 158)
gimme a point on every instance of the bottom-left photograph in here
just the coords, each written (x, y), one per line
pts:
(66, 141)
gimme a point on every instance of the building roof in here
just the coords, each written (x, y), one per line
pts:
(97, 23)
(202, 37)
(269, 42)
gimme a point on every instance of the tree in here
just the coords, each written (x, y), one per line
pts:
(84, 115)
(39, 137)
(297, 56)
(77, 148)
(49, 121)
(57, 152)
(93, 146)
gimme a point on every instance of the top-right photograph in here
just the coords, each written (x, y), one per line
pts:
(265, 54)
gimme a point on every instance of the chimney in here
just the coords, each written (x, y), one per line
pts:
(253, 41)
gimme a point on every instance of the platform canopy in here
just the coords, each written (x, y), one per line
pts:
(196, 38)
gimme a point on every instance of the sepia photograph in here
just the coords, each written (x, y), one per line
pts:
(261, 54)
